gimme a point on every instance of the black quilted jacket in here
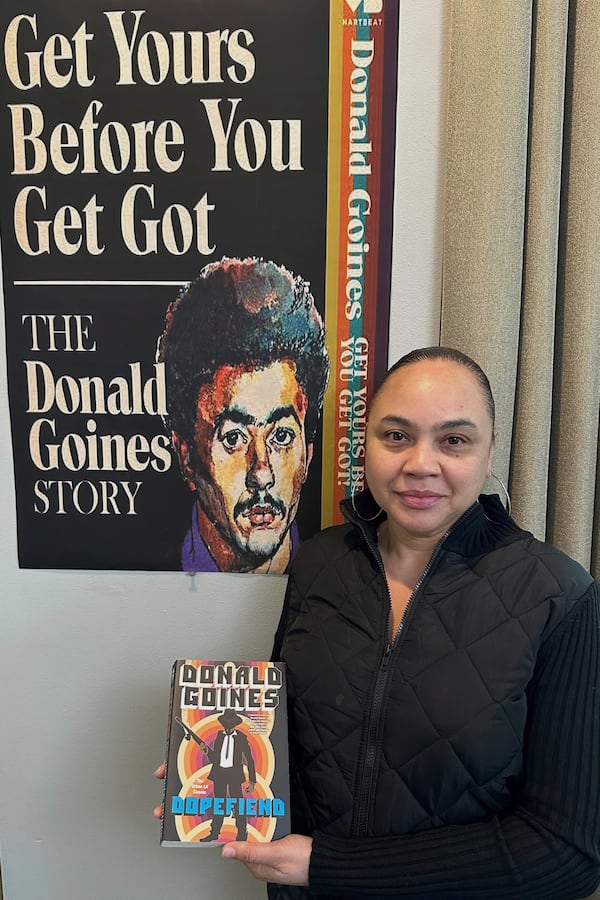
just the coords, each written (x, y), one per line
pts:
(463, 760)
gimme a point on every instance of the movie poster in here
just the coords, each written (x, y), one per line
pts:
(195, 220)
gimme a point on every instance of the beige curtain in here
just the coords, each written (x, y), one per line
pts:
(521, 285)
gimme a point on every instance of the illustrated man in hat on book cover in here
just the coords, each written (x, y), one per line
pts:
(230, 752)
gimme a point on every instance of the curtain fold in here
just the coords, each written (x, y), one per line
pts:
(577, 369)
(521, 282)
(532, 423)
(488, 101)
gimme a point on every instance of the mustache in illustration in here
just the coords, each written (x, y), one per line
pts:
(260, 504)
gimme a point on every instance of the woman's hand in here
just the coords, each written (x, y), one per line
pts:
(284, 861)
(160, 773)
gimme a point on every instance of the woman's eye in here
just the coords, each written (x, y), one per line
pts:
(233, 439)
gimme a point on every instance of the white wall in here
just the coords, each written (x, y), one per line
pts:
(85, 657)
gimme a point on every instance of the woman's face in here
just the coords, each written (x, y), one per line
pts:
(430, 443)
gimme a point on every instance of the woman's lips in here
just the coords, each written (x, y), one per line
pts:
(419, 499)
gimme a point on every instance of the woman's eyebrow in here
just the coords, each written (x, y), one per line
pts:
(440, 426)
(456, 423)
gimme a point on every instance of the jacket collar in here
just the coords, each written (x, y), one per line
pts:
(483, 527)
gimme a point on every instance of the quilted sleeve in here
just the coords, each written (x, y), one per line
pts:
(548, 847)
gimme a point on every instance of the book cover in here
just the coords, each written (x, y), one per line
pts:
(227, 775)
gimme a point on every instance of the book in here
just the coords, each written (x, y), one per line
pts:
(227, 772)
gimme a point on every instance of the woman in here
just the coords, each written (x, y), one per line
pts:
(443, 670)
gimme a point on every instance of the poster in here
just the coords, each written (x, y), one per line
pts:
(141, 147)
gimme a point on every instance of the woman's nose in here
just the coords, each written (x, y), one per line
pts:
(422, 458)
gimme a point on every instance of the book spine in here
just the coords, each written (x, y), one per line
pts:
(167, 755)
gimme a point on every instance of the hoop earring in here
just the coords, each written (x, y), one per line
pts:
(505, 489)
(364, 518)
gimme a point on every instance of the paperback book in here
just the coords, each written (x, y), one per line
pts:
(227, 774)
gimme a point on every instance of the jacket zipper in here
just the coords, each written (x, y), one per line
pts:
(370, 752)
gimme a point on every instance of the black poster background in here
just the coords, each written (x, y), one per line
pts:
(277, 215)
